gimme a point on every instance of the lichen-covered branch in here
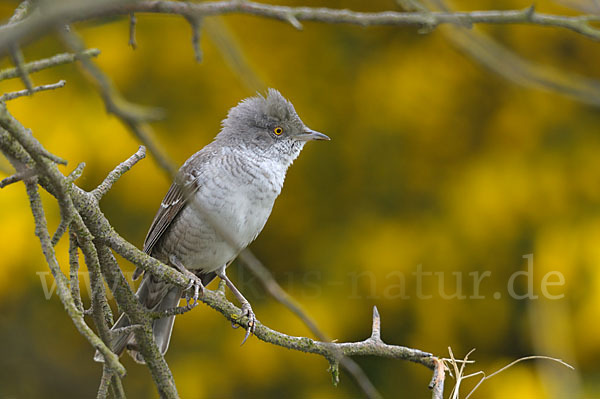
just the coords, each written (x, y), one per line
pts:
(14, 133)
(372, 346)
(23, 151)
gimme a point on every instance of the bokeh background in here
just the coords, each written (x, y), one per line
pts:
(434, 161)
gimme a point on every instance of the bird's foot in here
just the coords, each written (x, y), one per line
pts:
(247, 312)
(194, 288)
(193, 291)
(246, 308)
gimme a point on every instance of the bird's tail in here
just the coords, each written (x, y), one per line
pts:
(156, 296)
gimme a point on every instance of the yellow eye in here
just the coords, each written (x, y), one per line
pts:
(278, 130)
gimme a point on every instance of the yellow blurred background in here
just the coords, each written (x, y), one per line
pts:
(435, 164)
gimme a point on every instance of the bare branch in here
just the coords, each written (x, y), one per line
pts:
(56, 60)
(35, 26)
(117, 172)
(27, 92)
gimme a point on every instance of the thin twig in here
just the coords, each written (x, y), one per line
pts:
(24, 174)
(132, 25)
(291, 18)
(117, 172)
(225, 41)
(506, 63)
(487, 377)
(76, 173)
(17, 58)
(15, 52)
(27, 92)
(56, 60)
(196, 25)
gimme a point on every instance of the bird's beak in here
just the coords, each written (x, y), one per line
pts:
(309, 134)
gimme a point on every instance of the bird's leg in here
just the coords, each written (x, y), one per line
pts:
(195, 281)
(246, 308)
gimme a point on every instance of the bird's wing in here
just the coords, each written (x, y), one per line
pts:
(171, 205)
(186, 184)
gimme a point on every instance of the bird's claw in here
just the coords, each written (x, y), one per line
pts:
(195, 284)
(248, 312)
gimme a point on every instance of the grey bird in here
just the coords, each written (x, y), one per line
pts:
(219, 202)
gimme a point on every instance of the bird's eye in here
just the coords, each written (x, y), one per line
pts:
(278, 130)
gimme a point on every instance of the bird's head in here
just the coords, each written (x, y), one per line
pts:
(269, 125)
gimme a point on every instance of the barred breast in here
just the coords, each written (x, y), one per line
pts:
(234, 200)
